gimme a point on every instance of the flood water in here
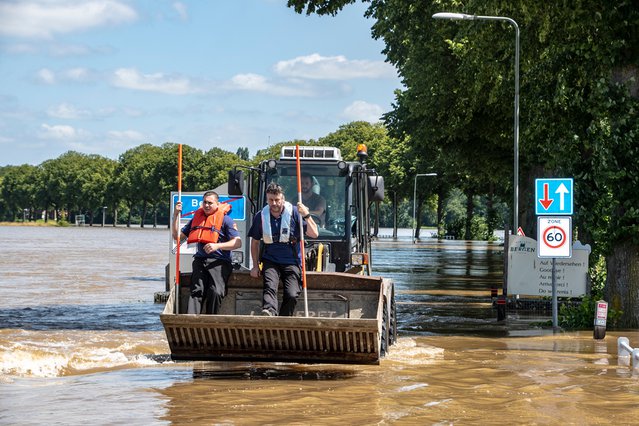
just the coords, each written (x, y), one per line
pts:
(81, 343)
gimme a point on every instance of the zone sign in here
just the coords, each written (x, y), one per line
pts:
(554, 236)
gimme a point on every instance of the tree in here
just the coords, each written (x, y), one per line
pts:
(243, 153)
(579, 73)
(137, 178)
(18, 190)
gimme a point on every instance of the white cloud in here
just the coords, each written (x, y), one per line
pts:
(257, 83)
(180, 8)
(62, 132)
(130, 78)
(319, 67)
(46, 76)
(45, 18)
(69, 50)
(77, 74)
(6, 141)
(125, 136)
(133, 112)
(20, 48)
(364, 111)
(67, 111)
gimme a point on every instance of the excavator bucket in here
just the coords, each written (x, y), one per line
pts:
(350, 322)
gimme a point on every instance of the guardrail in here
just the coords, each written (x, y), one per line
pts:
(625, 350)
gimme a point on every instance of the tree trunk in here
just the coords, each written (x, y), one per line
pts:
(395, 215)
(440, 216)
(145, 209)
(470, 207)
(128, 221)
(490, 212)
(622, 283)
(418, 222)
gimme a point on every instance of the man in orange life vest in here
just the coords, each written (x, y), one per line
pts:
(278, 225)
(216, 235)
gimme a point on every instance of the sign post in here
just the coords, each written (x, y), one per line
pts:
(554, 234)
(600, 319)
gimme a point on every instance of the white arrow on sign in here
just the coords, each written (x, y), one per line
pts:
(562, 190)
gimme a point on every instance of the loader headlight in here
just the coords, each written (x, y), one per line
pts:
(237, 257)
(359, 259)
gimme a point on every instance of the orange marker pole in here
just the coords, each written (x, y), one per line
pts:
(299, 198)
(177, 255)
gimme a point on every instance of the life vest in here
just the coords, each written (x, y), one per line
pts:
(206, 229)
(285, 227)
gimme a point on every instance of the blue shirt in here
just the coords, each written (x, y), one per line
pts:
(281, 253)
(227, 233)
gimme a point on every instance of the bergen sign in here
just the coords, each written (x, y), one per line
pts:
(553, 196)
(554, 236)
(192, 202)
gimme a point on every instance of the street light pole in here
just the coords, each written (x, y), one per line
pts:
(464, 16)
(415, 202)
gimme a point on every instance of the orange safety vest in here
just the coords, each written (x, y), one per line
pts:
(206, 229)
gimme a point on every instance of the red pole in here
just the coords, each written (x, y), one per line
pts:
(299, 198)
(177, 255)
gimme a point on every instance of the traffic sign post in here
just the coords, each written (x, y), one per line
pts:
(554, 239)
(554, 196)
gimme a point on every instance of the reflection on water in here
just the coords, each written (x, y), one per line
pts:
(248, 371)
(81, 342)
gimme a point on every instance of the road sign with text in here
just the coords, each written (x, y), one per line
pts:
(192, 202)
(554, 237)
(554, 196)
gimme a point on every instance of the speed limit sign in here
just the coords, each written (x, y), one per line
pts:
(554, 236)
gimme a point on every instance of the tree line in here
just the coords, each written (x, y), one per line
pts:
(138, 183)
(135, 188)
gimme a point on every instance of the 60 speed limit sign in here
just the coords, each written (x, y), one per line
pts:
(554, 236)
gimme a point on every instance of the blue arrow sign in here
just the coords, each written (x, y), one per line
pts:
(190, 203)
(554, 196)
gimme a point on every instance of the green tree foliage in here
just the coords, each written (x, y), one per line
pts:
(579, 103)
(243, 153)
(137, 184)
(17, 190)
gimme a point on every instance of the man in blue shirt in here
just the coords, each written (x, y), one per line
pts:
(278, 226)
(216, 235)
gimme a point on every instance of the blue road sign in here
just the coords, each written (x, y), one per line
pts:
(190, 203)
(554, 196)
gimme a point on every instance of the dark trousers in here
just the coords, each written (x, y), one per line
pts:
(291, 276)
(208, 285)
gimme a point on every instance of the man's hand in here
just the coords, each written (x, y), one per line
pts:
(255, 271)
(211, 247)
(177, 211)
(302, 209)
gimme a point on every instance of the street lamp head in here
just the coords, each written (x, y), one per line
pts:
(453, 16)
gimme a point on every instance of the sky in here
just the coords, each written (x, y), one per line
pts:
(103, 76)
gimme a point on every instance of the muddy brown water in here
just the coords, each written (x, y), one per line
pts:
(81, 342)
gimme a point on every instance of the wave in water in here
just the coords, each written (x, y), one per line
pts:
(25, 353)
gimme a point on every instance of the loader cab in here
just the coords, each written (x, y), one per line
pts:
(329, 189)
(343, 188)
